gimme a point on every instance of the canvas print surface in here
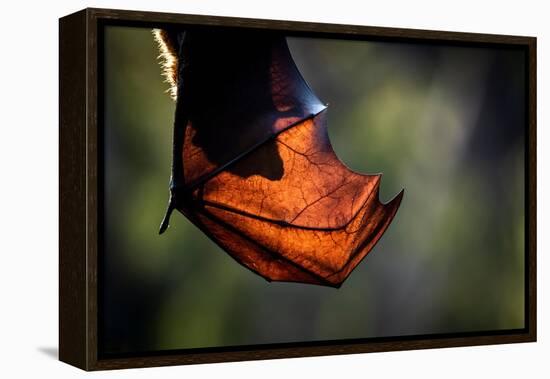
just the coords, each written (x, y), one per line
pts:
(307, 189)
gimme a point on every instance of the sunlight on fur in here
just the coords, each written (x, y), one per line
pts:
(168, 59)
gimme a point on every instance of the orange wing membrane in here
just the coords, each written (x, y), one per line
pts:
(253, 167)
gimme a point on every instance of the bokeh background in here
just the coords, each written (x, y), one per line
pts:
(445, 123)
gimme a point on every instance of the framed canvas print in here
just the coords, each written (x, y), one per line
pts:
(238, 189)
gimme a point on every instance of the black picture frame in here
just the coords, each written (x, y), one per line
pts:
(80, 197)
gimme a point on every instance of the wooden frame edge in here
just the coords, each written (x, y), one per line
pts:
(78, 195)
(531, 253)
(301, 352)
(72, 190)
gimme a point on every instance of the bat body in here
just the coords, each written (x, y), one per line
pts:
(253, 167)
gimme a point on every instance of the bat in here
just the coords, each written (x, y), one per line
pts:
(253, 167)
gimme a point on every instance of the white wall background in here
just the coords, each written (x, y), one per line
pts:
(29, 177)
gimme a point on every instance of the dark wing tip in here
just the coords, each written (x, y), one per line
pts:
(396, 201)
(166, 220)
(163, 227)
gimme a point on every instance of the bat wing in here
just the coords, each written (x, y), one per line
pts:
(254, 169)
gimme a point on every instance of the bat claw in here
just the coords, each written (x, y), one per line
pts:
(166, 220)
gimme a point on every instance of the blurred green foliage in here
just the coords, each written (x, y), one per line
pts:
(445, 123)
